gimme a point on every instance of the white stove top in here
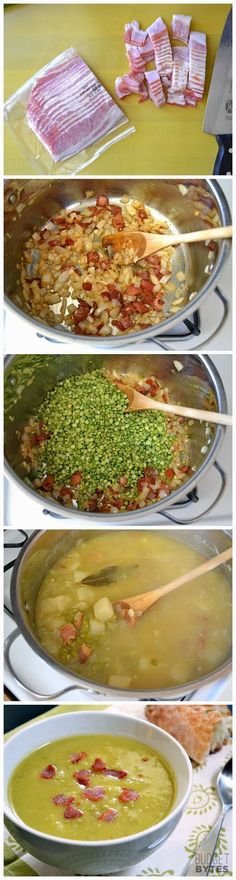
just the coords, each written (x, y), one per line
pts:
(34, 513)
(39, 677)
(21, 339)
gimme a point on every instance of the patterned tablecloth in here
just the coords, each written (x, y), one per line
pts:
(171, 859)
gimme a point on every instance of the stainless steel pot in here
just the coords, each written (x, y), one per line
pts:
(40, 552)
(30, 203)
(25, 390)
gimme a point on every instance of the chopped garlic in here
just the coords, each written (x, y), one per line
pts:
(183, 189)
(178, 366)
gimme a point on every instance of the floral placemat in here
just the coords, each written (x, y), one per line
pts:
(172, 857)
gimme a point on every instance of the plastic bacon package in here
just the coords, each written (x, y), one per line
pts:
(63, 118)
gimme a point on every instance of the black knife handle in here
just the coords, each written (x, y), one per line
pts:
(223, 163)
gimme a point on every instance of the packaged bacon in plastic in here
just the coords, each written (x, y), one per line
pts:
(63, 118)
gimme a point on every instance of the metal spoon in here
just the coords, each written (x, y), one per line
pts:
(203, 857)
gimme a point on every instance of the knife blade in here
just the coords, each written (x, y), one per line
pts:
(218, 115)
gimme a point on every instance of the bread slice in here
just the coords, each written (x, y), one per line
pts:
(199, 729)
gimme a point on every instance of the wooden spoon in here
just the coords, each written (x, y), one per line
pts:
(146, 243)
(138, 401)
(139, 604)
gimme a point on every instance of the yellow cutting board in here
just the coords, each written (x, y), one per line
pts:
(168, 140)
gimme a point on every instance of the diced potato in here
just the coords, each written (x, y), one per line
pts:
(79, 576)
(103, 609)
(119, 681)
(82, 606)
(85, 594)
(96, 627)
(144, 664)
(54, 604)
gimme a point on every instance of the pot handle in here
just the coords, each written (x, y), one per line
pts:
(193, 519)
(9, 641)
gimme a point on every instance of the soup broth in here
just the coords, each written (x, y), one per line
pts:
(186, 635)
(50, 790)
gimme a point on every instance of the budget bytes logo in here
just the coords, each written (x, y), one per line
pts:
(216, 866)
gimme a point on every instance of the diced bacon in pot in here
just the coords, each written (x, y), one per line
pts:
(94, 794)
(49, 772)
(155, 88)
(84, 653)
(180, 27)
(67, 633)
(159, 37)
(109, 815)
(127, 795)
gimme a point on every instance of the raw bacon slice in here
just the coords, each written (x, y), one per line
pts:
(176, 91)
(127, 32)
(180, 27)
(159, 36)
(135, 59)
(138, 37)
(155, 88)
(147, 50)
(129, 84)
(197, 64)
(69, 109)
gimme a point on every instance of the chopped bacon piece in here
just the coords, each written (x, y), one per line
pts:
(155, 89)
(102, 201)
(180, 71)
(82, 777)
(78, 619)
(82, 311)
(60, 799)
(72, 812)
(197, 64)
(180, 27)
(128, 84)
(98, 766)
(67, 633)
(94, 794)
(49, 772)
(74, 759)
(66, 493)
(84, 653)
(48, 483)
(147, 50)
(159, 36)
(127, 795)
(109, 815)
(118, 774)
(170, 473)
(135, 59)
(145, 758)
(93, 257)
(76, 478)
(138, 37)
(87, 285)
(146, 285)
(69, 242)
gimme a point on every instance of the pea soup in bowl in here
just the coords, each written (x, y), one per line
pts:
(94, 793)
